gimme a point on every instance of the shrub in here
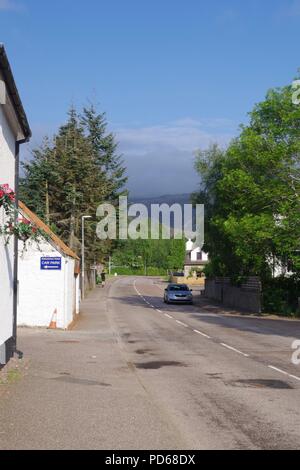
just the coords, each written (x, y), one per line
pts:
(281, 295)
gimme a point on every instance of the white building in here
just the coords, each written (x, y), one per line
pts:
(14, 130)
(48, 279)
(195, 260)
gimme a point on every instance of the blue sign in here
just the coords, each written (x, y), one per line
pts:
(51, 264)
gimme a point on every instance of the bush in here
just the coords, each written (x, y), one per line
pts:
(128, 271)
(281, 295)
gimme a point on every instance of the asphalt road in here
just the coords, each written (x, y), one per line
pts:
(136, 373)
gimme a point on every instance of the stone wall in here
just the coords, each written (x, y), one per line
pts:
(246, 298)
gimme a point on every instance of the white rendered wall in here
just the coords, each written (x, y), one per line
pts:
(7, 176)
(70, 292)
(194, 255)
(41, 292)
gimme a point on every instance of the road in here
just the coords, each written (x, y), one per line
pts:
(136, 373)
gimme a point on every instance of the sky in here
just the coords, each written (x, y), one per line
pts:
(172, 75)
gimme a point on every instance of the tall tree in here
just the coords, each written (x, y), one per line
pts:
(71, 176)
(251, 192)
(104, 148)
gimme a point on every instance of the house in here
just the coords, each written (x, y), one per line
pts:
(14, 131)
(48, 278)
(195, 260)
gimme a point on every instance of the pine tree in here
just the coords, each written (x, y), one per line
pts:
(105, 150)
(71, 176)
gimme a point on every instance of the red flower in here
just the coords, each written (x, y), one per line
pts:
(5, 190)
(22, 220)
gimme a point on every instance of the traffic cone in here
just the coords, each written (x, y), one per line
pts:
(53, 323)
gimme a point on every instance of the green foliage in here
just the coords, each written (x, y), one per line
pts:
(71, 175)
(129, 271)
(281, 296)
(144, 255)
(251, 193)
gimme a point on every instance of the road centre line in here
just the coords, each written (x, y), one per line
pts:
(284, 372)
(202, 334)
(197, 331)
(182, 324)
(276, 369)
(233, 349)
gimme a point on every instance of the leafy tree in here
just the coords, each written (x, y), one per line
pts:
(144, 254)
(251, 192)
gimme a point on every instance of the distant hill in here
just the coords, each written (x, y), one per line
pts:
(169, 199)
(165, 199)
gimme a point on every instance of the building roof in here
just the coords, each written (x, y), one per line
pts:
(13, 92)
(61, 246)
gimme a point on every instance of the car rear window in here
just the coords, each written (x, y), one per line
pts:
(177, 288)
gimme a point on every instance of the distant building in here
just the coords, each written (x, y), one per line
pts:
(195, 260)
(48, 279)
(14, 131)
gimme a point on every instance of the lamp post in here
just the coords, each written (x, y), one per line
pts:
(83, 218)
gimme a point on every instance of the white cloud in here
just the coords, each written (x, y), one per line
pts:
(160, 158)
(184, 135)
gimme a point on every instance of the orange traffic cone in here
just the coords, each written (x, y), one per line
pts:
(53, 323)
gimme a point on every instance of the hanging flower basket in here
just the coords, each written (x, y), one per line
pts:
(7, 198)
(21, 228)
(24, 230)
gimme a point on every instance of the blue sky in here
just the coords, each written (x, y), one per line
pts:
(172, 75)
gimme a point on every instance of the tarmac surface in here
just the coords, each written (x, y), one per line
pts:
(136, 373)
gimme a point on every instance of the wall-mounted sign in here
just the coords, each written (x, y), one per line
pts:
(51, 264)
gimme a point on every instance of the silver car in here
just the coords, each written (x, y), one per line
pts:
(179, 293)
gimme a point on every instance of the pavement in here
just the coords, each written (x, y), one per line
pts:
(136, 373)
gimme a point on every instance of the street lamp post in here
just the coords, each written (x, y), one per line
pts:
(83, 218)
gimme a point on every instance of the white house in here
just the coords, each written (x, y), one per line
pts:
(48, 279)
(14, 130)
(195, 260)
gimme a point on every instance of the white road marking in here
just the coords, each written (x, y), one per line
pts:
(182, 324)
(294, 377)
(233, 349)
(202, 334)
(168, 316)
(278, 370)
(284, 373)
(159, 311)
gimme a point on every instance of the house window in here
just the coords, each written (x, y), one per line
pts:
(199, 256)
